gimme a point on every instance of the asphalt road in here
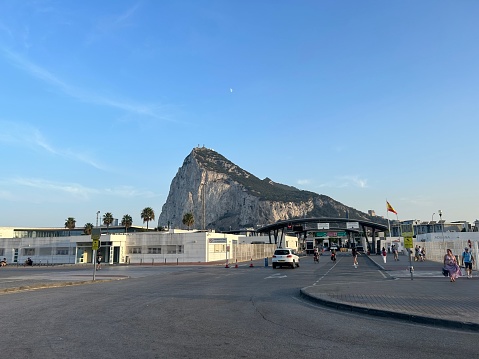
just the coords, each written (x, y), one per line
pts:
(207, 312)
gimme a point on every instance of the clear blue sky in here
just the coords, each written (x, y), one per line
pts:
(363, 101)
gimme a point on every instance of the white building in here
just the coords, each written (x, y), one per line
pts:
(173, 246)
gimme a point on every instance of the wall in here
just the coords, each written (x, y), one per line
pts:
(435, 251)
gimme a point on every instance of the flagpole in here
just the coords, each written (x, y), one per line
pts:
(387, 216)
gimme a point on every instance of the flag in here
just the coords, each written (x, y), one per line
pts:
(390, 208)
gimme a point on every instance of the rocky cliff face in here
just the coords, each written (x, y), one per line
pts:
(222, 196)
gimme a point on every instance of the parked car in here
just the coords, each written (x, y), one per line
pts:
(360, 249)
(285, 257)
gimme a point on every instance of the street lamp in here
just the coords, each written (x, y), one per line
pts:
(442, 224)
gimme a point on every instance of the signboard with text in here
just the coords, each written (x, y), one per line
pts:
(408, 239)
(352, 225)
(330, 234)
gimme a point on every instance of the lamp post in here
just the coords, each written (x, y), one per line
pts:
(442, 224)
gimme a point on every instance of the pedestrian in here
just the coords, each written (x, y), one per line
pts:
(98, 261)
(384, 254)
(395, 251)
(467, 260)
(355, 257)
(423, 253)
(450, 264)
(416, 253)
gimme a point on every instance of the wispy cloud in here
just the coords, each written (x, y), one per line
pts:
(346, 181)
(6, 195)
(304, 182)
(6, 30)
(121, 18)
(73, 189)
(77, 190)
(111, 24)
(129, 192)
(19, 134)
(153, 111)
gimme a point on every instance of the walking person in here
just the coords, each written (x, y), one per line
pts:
(354, 252)
(467, 261)
(395, 252)
(416, 253)
(450, 264)
(423, 253)
(98, 261)
(384, 254)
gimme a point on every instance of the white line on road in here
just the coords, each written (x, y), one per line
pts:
(277, 275)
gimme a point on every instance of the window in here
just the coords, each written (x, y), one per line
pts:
(154, 250)
(134, 250)
(28, 251)
(2, 251)
(171, 249)
(62, 251)
(218, 248)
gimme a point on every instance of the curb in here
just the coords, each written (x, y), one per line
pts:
(54, 285)
(383, 313)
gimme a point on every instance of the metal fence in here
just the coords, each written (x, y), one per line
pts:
(247, 252)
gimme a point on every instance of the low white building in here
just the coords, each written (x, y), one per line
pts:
(173, 246)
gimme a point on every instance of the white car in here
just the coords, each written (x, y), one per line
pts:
(285, 257)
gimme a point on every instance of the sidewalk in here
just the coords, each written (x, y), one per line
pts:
(386, 289)
(14, 278)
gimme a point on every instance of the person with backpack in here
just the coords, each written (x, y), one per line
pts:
(467, 260)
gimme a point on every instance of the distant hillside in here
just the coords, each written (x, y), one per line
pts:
(223, 196)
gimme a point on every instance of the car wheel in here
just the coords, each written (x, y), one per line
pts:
(274, 265)
(297, 264)
(293, 265)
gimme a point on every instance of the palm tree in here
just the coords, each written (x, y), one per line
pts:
(147, 215)
(188, 220)
(107, 220)
(87, 228)
(127, 221)
(70, 224)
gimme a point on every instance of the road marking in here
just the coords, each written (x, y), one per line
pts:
(277, 275)
(329, 270)
(380, 271)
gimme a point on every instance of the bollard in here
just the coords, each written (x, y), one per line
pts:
(265, 261)
(176, 261)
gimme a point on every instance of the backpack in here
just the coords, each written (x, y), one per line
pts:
(466, 256)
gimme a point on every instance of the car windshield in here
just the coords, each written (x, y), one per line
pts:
(281, 252)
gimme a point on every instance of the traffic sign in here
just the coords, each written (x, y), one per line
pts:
(408, 243)
(95, 233)
(95, 244)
